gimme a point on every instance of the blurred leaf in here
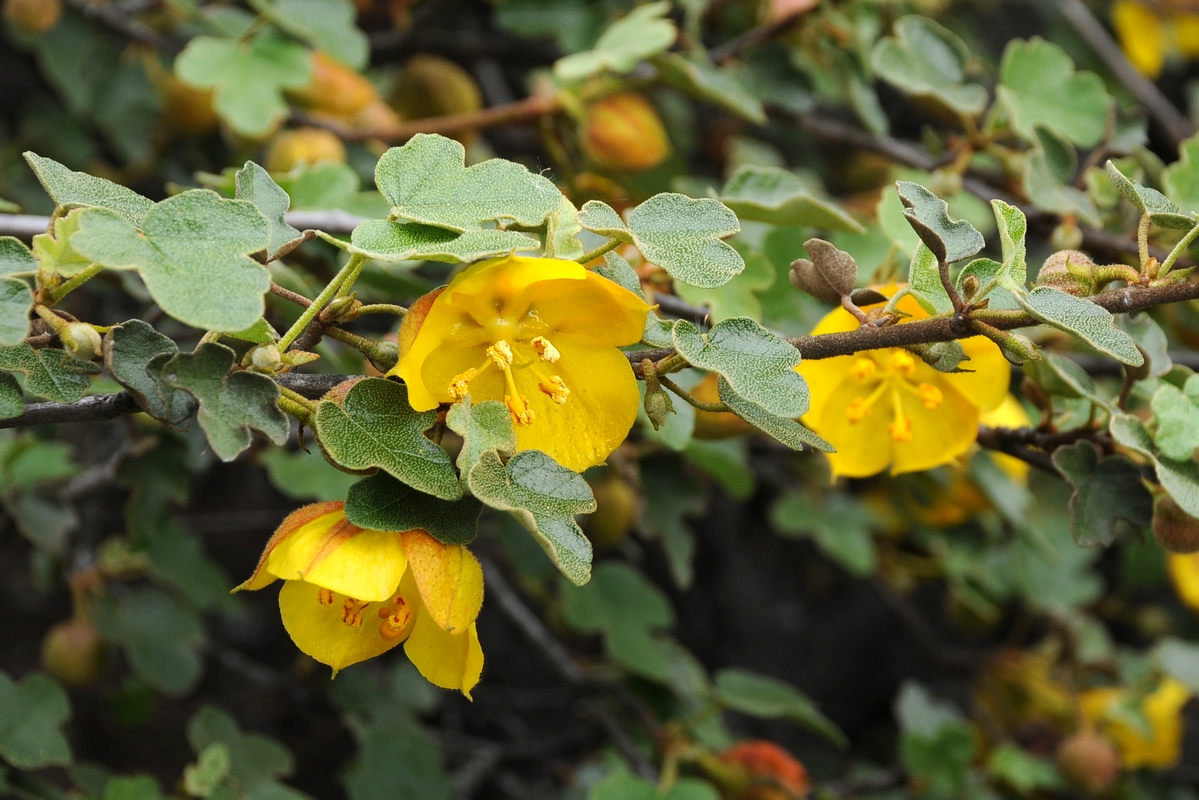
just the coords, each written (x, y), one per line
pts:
(375, 426)
(202, 778)
(936, 743)
(675, 497)
(626, 42)
(255, 761)
(840, 528)
(770, 698)
(1040, 87)
(1181, 179)
(134, 354)
(325, 24)
(305, 476)
(160, 637)
(15, 257)
(1021, 770)
(177, 558)
(1059, 375)
(778, 197)
(32, 713)
(1050, 193)
(71, 189)
(397, 759)
(726, 460)
(626, 609)
(134, 787)
(231, 405)
(49, 372)
(1177, 413)
(255, 185)
(621, 785)
(721, 86)
(1150, 338)
(1086, 320)
(1180, 660)
(1162, 212)
(382, 503)
(1109, 497)
(785, 430)
(924, 59)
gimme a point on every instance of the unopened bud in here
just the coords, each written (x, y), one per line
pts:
(970, 287)
(81, 341)
(34, 17)
(1066, 236)
(289, 149)
(658, 407)
(624, 133)
(264, 358)
(385, 356)
(1174, 529)
(343, 309)
(1089, 761)
(432, 86)
(1070, 271)
(333, 88)
(829, 275)
(73, 652)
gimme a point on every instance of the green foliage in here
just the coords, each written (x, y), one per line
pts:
(838, 527)
(786, 430)
(623, 786)
(1150, 202)
(766, 697)
(638, 36)
(48, 372)
(1109, 498)
(382, 503)
(1089, 322)
(924, 59)
(248, 763)
(71, 189)
(32, 713)
(1040, 87)
(779, 197)
(949, 241)
(325, 24)
(720, 86)
(161, 638)
(483, 427)
(135, 355)
(628, 610)
(255, 185)
(1177, 412)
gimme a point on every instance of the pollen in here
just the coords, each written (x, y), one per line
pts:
(901, 429)
(930, 396)
(459, 385)
(500, 354)
(545, 350)
(351, 612)
(863, 368)
(394, 623)
(903, 363)
(325, 597)
(518, 407)
(858, 409)
(555, 387)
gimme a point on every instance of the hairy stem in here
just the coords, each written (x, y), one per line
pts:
(350, 270)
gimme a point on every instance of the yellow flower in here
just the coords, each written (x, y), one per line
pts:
(1184, 571)
(887, 407)
(541, 334)
(351, 594)
(1150, 33)
(1159, 746)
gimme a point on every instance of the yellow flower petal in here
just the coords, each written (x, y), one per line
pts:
(939, 435)
(596, 307)
(337, 630)
(862, 448)
(449, 578)
(1186, 34)
(1184, 571)
(1142, 35)
(1008, 414)
(449, 660)
(1160, 748)
(990, 375)
(360, 563)
(317, 515)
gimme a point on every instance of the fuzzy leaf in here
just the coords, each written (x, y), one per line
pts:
(924, 59)
(70, 189)
(928, 215)
(1040, 87)
(1109, 497)
(1084, 319)
(49, 372)
(15, 257)
(778, 197)
(16, 300)
(384, 240)
(381, 503)
(1180, 479)
(1162, 212)
(1177, 412)
(1012, 228)
(683, 236)
(255, 185)
(483, 427)
(785, 430)
(135, 354)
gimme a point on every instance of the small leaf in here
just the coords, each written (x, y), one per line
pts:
(740, 297)
(11, 401)
(1181, 179)
(325, 24)
(384, 240)
(49, 373)
(1177, 413)
(32, 713)
(381, 503)
(483, 427)
(770, 698)
(15, 257)
(545, 496)
(230, 404)
(829, 275)
(1059, 375)
(193, 251)
(1180, 660)
(721, 86)
(256, 185)
(683, 236)
(1050, 193)
(16, 301)
(627, 609)
(306, 476)
(202, 778)
(924, 282)
(161, 638)
(426, 181)
(601, 218)
(1012, 228)
(562, 228)
(376, 427)
(924, 59)
(785, 430)
(778, 197)
(928, 215)
(1180, 479)
(70, 189)
(626, 42)
(1109, 497)
(255, 761)
(1084, 319)
(134, 354)
(757, 365)
(1162, 212)
(1040, 87)
(53, 250)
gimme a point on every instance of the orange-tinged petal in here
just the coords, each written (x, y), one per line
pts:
(939, 435)
(1142, 35)
(337, 630)
(449, 578)
(317, 515)
(598, 413)
(449, 660)
(354, 561)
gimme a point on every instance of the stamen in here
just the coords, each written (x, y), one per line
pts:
(518, 406)
(903, 362)
(555, 387)
(545, 350)
(930, 395)
(858, 409)
(458, 386)
(901, 428)
(863, 368)
(325, 597)
(500, 354)
(351, 612)
(393, 626)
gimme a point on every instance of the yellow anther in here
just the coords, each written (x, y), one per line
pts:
(500, 354)
(325, 597)
(518, 407)
(858, 409)
(555, 387)
(930, 395)
(545, 350)
(903, 362)
(393, 624)
(351, 612)
(901, 429)
(458, 386)
(863, 368)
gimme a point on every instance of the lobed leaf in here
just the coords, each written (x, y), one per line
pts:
(1109, 497)
(16, 258)
(325, 24)
(32, 713)
(1086, 320)
(70, 189)
(49, 372)
(778, 197)
(641, 34)
(381, 503)
(1160, 209)
(785, 430)
(483, 427)
(720, 86)
(135, 354)
(923, 59)
(1038, 86)
(928, 215)
(254, 184)
(385, 240)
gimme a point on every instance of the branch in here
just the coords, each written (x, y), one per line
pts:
(337, 223)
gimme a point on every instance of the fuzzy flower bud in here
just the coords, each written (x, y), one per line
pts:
(623, 133)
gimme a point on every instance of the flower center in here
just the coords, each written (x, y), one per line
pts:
(395, 619)
(501, 355)
(890, 375)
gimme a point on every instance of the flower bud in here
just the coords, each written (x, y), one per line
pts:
(74, 653)
(34, 17)
(333, 88)
(264, 358)
(624, 133)
(970, 287)
(343, 309)
(1070, 271)
(187, 109)
(774, 774)
(615, 511)
(303, 146)
(658, 407)
(81, 340)
(1175, 530)
(1089, 761)
(829, 276)
(1066, 236)
(386, 355)
(432, 86)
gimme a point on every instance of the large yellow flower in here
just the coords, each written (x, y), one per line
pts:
(351, 594)
(1159, 746)
(541, 334)
(887, 407)
(1149, 32)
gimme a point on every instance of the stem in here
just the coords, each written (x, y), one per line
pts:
(52, 320)
(1178, 250)
(1143, 241)
(950, 289)
(68, 286)
(607, 247)
(715, 408)
(367, 347)
(352, 267)
(347, 283)
(849, 305)
(382, 308)
(296, 404)
(672, 363)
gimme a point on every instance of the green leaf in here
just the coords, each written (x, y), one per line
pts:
(16, 301)
(1109, 497)
(924, 282)
(384, 240)
(376, 427)
(247, 77)
(924, 59)
(545, 496)
(1021, 770)
(202, 778)
(1050, 193)
(230, 404)
(483, 427)
(426, 181)
(255, 185)
(721, 86)
(1177, 413)
(381, 503)
(626, 42)
(1040, 87)
(15, 257)
(132, 787)
(839, 527)
(1162, 212)
(397, 758)
(683, 236)
(1059, 375)
(1180, 479)
(32, 713)
(771, 698)
(676, 496)
(12, 403)
(1181, 179)
(134, 354)
(1084, 319)
(599, 217)
(737, 298)
(562, 226)
(305, 476)
(928, 215)
(623, 786)
(1180, 660)
(49, 373)
(325, 24)
(53, 250)
(255, 761)
(785, 430)
(778, 197)
(1012, 228)
(627, 609)
(70, 189)
(1151, 339)
(161, 638)
(758, 365)
(193, 251)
